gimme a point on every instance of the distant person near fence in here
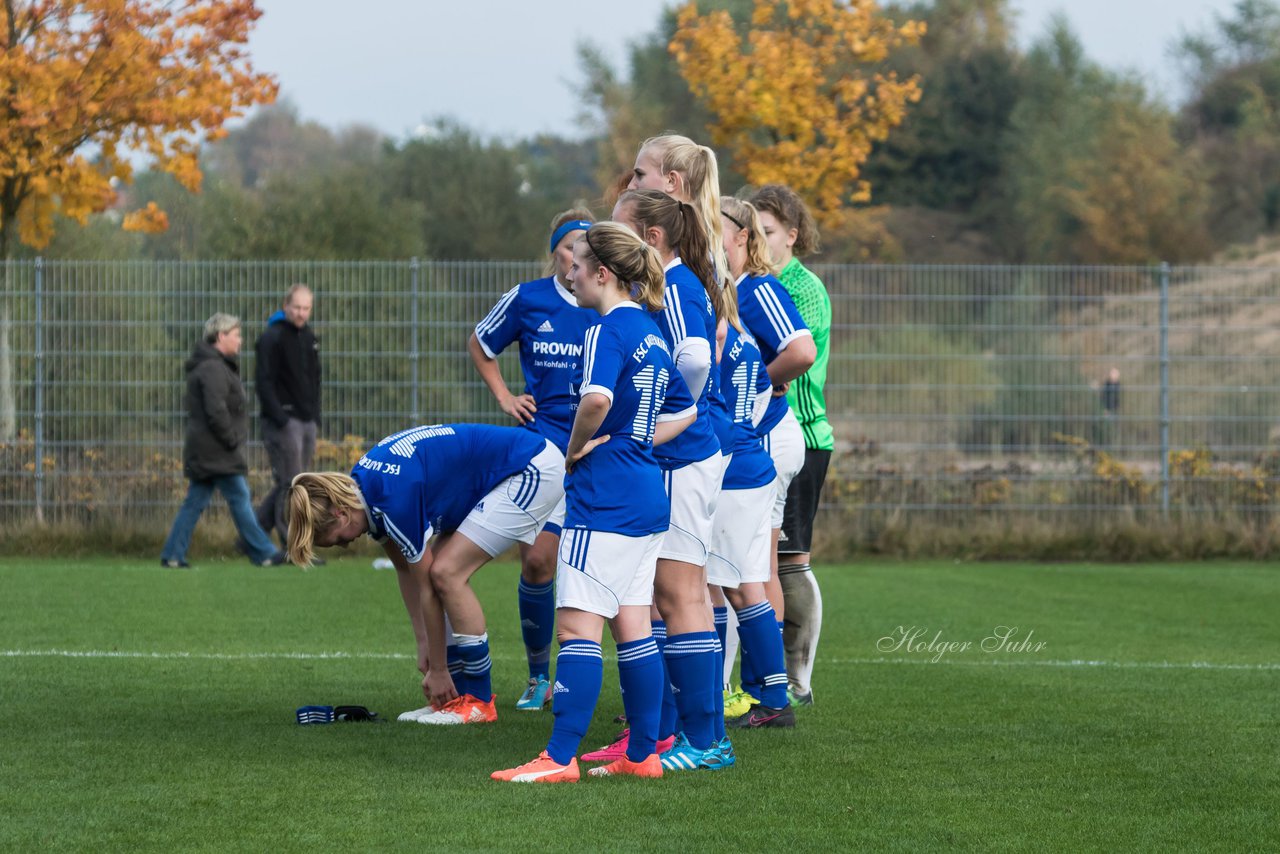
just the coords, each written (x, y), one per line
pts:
(288, 384)
(213, 455)
(1110, 405)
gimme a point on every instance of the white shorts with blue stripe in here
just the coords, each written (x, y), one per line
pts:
(515, 510)
(740, 545)
(599, 572)
(694, 490)
(785, 444)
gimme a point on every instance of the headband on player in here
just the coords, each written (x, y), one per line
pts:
(571, 225)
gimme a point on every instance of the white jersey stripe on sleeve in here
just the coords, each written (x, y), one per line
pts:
(782, 326)
(675, 315)
(589, 342)
(413, 553)
(497, 314)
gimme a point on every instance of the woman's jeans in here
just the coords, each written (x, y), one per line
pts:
(235, 489)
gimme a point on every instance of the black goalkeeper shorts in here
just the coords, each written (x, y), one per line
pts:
(803, 498)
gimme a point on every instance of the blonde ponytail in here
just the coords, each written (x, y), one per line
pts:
(633, 262)
(313, 497)
(700, 185)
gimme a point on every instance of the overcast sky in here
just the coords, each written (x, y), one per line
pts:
(507, 67)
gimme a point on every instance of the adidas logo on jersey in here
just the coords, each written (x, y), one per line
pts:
(559, 689)
(546, 327)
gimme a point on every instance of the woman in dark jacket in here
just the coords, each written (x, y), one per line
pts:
(213, 452)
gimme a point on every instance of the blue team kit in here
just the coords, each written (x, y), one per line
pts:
(625, 358)
(768, 313)
(549, 324)
(743, 379)
(426, 480)
(687, 313)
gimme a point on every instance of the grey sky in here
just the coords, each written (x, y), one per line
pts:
(507, 67)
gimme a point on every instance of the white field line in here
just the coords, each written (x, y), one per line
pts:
(395, 656)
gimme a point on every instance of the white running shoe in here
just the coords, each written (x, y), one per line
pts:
(463, 710)
(416, 714)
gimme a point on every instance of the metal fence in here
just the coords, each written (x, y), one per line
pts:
(955, 392)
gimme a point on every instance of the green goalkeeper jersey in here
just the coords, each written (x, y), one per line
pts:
(805, 395)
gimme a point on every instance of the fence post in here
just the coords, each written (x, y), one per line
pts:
(1164, 387)
(414, 268)
(39, 388)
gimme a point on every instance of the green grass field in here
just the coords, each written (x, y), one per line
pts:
(1148, 720)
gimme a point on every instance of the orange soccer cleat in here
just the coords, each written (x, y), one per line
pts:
(544, 769)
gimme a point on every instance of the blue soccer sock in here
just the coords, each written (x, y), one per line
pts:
(670, 714)
(721, 613)
(762, 643)
(474, 650)
(691, 661)
(579, 672)
(453, 658)
(746, 668)
(717, 692)
(641, 676)
(537, 624)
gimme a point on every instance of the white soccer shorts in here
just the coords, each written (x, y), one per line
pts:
(599, 572)
(516, 509)
(740, 544)
(693, 490)
(556, 521)
(785, 443)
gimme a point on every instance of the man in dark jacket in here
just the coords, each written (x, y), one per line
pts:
(287, 378)
(213, 451)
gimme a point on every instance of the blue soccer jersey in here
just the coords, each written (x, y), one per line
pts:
(426, 480)
(768, 313)
(687, 316)
(618, 487)
(744, 379)
(549, 324)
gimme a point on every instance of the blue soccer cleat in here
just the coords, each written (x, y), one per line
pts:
(683, 756)
(721, 755)
(536, 695)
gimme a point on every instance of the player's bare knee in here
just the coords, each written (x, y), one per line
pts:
(538, 569)
(446, 577)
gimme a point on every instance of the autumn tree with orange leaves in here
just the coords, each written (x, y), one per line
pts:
(795, 94)
(85, 82)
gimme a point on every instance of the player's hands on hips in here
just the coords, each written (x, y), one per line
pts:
(437, 687)
(572, 460)
(520, 407)
(780, 390)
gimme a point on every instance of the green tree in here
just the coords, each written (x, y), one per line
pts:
(1094, 173)
(948, 154)
(1232, 118)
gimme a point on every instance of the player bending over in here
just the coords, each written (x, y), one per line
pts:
(476, 489)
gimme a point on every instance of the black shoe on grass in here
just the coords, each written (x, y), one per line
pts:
(763, 716)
